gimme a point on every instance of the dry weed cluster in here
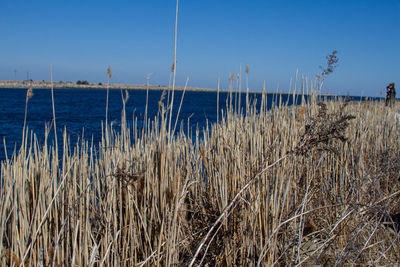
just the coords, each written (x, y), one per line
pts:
(287, 186)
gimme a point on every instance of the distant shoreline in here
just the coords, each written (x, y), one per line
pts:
(74, 85)
(117, 86)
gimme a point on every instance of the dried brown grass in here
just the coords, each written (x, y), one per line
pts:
(145, 199)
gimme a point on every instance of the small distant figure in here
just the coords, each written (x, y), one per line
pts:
(390, 95)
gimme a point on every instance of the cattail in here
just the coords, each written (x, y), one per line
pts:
(247, 69)
(109, 72)
(29, 93)
(173, 67)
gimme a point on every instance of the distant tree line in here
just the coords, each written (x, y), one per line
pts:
(82, 82)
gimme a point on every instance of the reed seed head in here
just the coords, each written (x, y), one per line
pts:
(126, 95)
(234, 77)
(160, 102)
(29, 93)
(323, 130)
(109, 72)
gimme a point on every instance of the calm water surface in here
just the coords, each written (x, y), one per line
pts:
(78, 109)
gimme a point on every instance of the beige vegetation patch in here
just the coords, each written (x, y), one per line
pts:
(147, 197)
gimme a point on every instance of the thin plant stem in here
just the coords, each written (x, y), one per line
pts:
(174, 66)
(218, 100)
(54, 111)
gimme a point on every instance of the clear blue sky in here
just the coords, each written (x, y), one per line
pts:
(275, 38)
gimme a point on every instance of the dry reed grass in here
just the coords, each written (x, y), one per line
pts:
(148, 198)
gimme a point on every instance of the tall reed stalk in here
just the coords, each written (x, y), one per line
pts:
(173, 68)
(29, 94)
(108, 87)
(54, 113)
(147, 99)
(218, 100)
(247, 87)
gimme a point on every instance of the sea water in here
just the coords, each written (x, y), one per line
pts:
(83, 111)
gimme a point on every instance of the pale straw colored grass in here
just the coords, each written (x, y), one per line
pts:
(148, 198)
